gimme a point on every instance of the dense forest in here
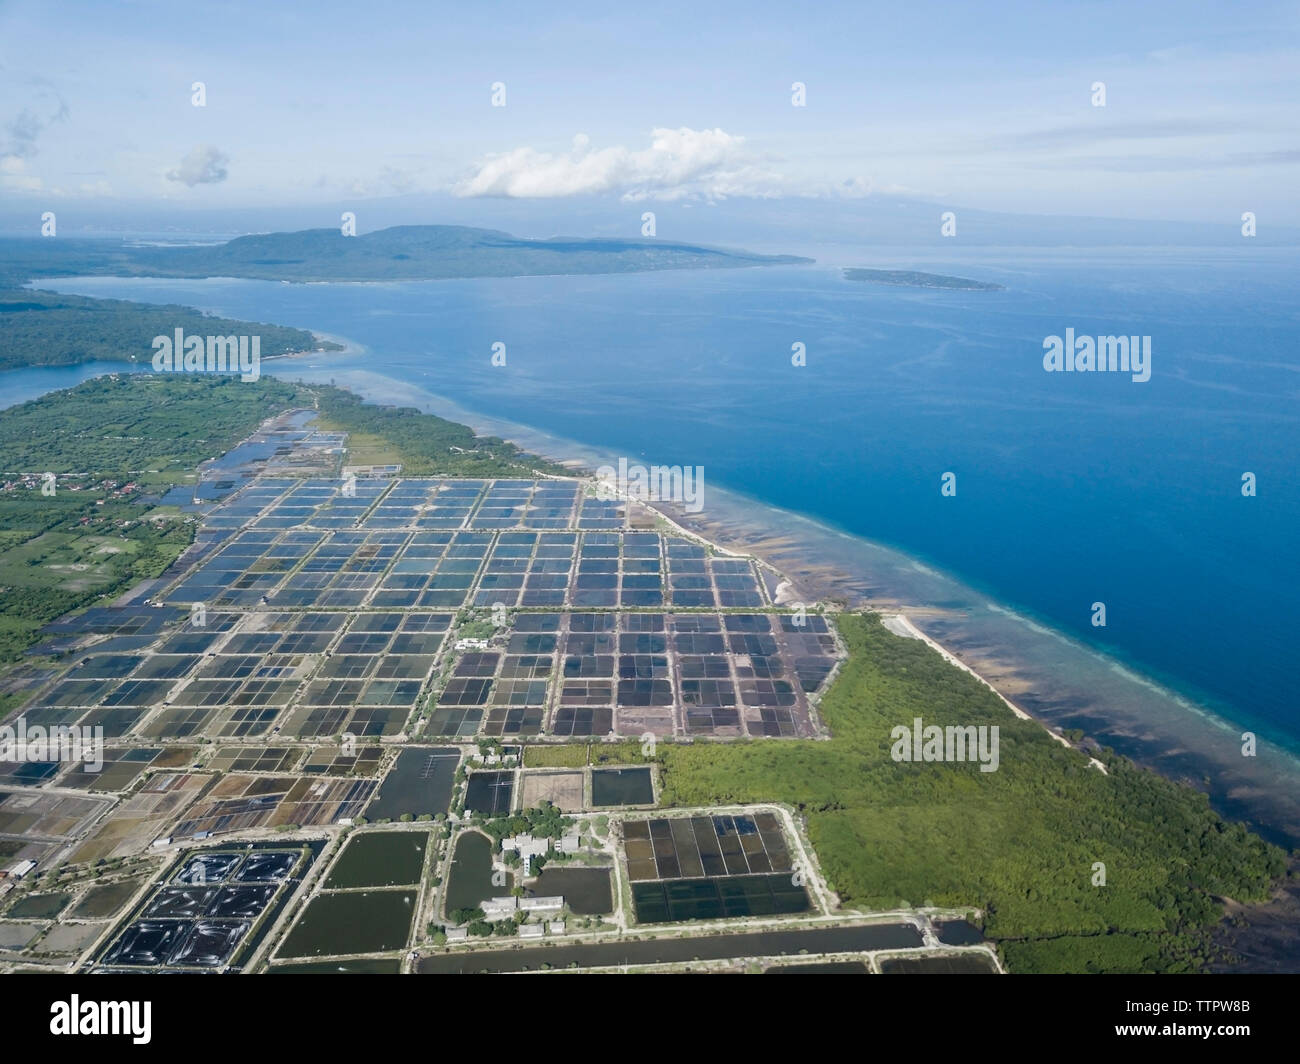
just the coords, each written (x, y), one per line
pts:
(45, 329)
(425, 444)
(150, 428)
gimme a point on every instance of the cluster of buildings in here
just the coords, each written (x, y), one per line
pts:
(507, 908)
(529, 848)
(507, 755)
(68, 482)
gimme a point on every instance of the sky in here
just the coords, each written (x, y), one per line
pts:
(339, 103)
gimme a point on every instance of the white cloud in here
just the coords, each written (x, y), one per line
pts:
(680, 163)
(203, 166)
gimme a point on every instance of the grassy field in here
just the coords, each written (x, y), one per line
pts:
(66, 560)
(88, 551)
(364, 448)
(571, 755)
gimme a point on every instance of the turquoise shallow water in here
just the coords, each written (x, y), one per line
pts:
(1071, 488)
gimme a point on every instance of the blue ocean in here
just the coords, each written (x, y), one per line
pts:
(1071, 489)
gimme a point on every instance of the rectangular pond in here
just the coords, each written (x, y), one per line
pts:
(489, 793)
(419, 783)
(379, 859)
(372, 921)
(622, 786)
(586, 891)
(672, 901)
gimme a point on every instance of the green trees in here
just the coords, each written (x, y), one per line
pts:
(120, 425)
(543, 821)
(429, 444)
(47, 329)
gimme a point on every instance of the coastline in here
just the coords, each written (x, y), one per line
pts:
(1056, 680)
(1042, 673)
(17, 391)
(910, 631)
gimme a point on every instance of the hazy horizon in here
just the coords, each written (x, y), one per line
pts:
(1193, 120)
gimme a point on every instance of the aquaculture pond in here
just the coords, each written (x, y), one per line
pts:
(371, 921)
(622, 786)
(380, 859)
(586, 891)
(470, 878)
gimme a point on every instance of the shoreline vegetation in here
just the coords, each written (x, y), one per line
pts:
(1022, 844)
(901, 624)
(915, 279)
(46, 329)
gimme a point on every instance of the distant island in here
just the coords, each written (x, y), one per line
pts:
(402, 253)
(913, 279)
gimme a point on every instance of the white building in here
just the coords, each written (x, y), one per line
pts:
(542, 905)
(500, 908)
(526, 846)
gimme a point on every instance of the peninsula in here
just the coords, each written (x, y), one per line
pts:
(915, 279)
